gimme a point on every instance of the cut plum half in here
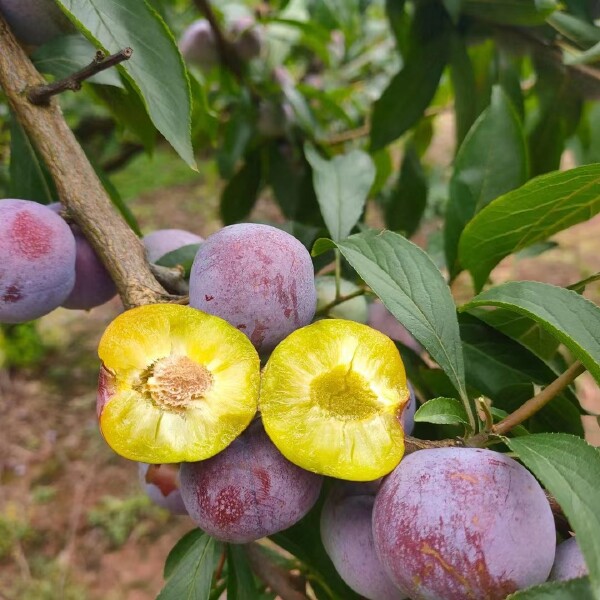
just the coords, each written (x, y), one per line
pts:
(176, 384)
(331, 400)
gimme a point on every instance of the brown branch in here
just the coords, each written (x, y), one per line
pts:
(412, 444)
(281, 582)
(41, 94)
(78, 186)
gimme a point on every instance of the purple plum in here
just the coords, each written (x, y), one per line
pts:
(162, 241)
(161, 484)
(569, 562)
(35, 22)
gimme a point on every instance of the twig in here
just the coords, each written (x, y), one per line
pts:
(531, 407)
(323, 311)
(79, 188)
(279, 580)
(41, 94)
(172, 279)
(128, 151)
(412, 444)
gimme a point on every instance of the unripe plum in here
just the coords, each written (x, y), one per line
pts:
(161, 484)
(257, 277)
(354, 309)
(93, 285)
(37, 272)
(247, 38)
(198, 46)
(569, 562)
(248, 491)
(162, 241)
(347, 534)
(460, 523)
(383, 320)
(34, 22)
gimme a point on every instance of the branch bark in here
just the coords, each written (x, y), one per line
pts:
(78, 185)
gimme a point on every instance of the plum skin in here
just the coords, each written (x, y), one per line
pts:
(460, 523)
(164, 492)
(247, 491)
(569, 562)
(198, 45)
(258, 278)
(347, 534)
(162, 241)
(38, 267)
(34, 22)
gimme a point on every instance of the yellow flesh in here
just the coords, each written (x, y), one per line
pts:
(331, 397)
(186, 384)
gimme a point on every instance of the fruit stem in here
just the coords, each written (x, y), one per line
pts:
(338, 273)
(531, 407)
(322, 312)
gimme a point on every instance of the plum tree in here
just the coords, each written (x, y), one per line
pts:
(456, 523)
(248, 491)
(198, 46)
(93, 284)
(347, 534)
(569, 562)
(247, 37)
(258, 278)
(161, 484)
(383, 320)
(34, 22)
(162, 241)
(354, 309)
(38, 260)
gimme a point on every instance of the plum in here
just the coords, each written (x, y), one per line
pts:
(383, 320)
(353, 310)
(162, 241)
(198, 45)
(93, 284)
(569, 562)
(35, 22)
(460, 523)
(347, 535)
(38, 252)
(248, 491)
(247, 37)
(257, 277)
(161, 484)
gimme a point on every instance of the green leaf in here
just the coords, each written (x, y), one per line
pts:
(535, 211)
(571, 318)
(581, 32)
(241, 584)
(569, 468)
(453, 7)
(190, 568)
(406, 203)
(491, 161)
(464, 84)
(511, 12)
(64, 55)
(409, 93)
(156, 69)
(241, 193)
(29, 178)
(342, 185)
(574, 589)
(183, 256)
(412, 289)
(443, 411)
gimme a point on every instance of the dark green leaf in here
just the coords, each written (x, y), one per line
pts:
(453, 7)
(491, 161)
(241, 193)
(183, 256)
(409, 93)
(342, 185)
(571, 318)
(238, 132)
(465, 88)
(398, 20)
(583, 33)
(532, 213)
(575, 589)
(445, 411)
(412, 289)
(156, 69)
(180, 550)
(29, 178)
(569, 468)
(407, 201)
(511, 12)
(240, 579)
(191, 568)
(64, 55)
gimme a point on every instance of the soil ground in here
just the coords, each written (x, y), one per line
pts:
(74, 523)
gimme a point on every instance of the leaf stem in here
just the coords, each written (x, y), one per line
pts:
(338, 273)
(531, 407)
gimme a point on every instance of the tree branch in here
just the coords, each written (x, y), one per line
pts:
(41, 94)
(78, 186)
